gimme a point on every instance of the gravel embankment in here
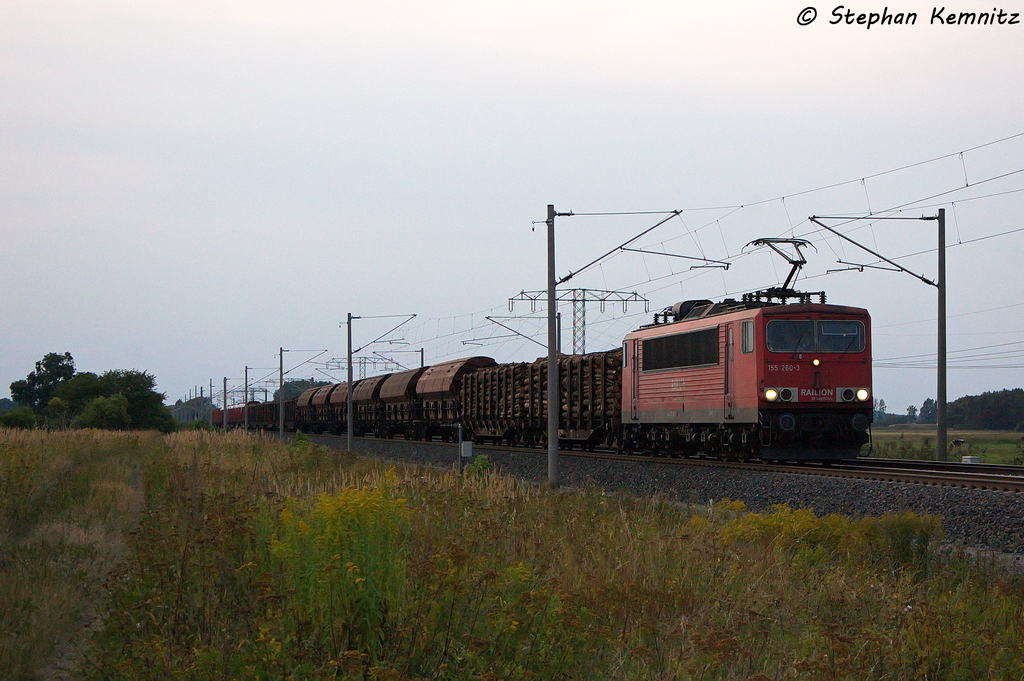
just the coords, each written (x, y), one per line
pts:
(977, 518)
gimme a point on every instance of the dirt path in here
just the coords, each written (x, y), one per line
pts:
(69, 653)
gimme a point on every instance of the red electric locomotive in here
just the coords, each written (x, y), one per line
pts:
(754, 377)
(748, 378)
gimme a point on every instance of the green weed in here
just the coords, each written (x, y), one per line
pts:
(479, 466)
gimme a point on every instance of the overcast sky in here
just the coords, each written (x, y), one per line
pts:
(187, 186)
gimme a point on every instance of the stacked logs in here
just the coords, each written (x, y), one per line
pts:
(590, 391)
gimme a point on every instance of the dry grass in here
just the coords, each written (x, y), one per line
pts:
(66, 501)
(257, 560)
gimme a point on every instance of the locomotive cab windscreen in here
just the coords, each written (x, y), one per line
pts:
(822, 335)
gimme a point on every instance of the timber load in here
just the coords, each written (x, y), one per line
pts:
(508, 402)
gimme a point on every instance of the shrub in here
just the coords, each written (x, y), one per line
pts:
(479, 466)
(19, 417)
(106, 413)
(342, 564)
(896, 541)
(902, 448)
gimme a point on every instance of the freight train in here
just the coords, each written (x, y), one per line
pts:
(736, 380)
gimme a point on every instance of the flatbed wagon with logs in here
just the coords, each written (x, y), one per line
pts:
(508, 402)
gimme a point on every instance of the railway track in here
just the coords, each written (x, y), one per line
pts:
(996, 477)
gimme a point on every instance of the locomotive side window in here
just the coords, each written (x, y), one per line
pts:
(840, 336)
(791, 335)
(625, 355)
(747, 337)
(697, 348)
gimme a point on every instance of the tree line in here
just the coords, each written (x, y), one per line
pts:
(55, 395)
(996, 410)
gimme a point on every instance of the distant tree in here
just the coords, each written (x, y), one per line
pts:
(67, 398)
(929, 412)
(881, 417)
(146, 409)
(6, 404)
(108, 413)
(911, 414)
(75, 393)
(187, 411)
(19, 417)
(890, 420)
(35, 391)
(999, 410)
(58, 414)
(293, 389)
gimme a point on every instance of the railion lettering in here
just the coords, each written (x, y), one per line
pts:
(819, 392)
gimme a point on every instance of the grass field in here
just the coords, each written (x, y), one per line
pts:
(918, 442)
(234, 557)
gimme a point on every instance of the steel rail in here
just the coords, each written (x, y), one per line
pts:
(993, 477)
(919, 464)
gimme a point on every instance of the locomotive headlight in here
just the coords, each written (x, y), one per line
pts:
(816, 362)
(863, 395)
(771, 394)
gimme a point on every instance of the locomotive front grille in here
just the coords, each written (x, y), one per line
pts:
(814, 429)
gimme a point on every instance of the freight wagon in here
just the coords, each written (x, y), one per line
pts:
(508, 402)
